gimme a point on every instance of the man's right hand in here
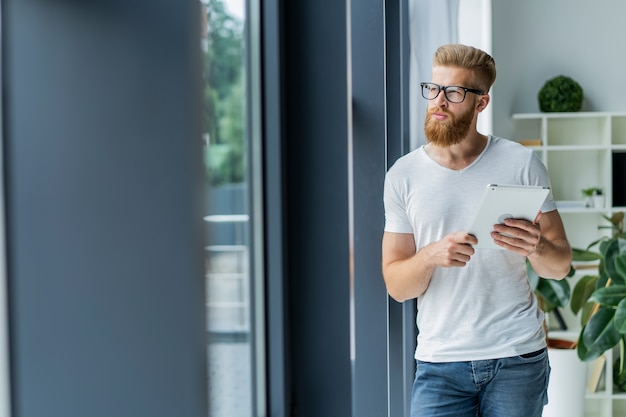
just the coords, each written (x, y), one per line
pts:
(454, 249)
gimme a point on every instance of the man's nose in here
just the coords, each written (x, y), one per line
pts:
(441, 99)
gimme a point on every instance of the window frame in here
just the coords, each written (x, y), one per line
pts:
(367, 107)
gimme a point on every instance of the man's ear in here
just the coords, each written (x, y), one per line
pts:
(482, 102)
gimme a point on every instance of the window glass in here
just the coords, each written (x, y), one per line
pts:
(228, 298)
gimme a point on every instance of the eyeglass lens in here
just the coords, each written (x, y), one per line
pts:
(453, 94)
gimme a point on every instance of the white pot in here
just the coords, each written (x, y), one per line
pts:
(598, 201)
(568, 382)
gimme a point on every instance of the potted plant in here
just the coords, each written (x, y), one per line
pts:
(550, 293)
(567, 378)
(601, 299)
(560, 94)
(593, 197)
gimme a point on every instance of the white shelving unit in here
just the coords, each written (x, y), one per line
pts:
(580, 151)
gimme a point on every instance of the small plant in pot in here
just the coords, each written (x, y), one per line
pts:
(560, 94)
(591, 191)
(601, 298)
(594, 197)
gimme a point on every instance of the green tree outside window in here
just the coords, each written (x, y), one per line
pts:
(224, 95)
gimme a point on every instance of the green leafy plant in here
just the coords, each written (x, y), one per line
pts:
(601, 298)
(591, 191)
(561, 94)
(550, 293)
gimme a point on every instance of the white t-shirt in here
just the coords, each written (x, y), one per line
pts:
(485, 310)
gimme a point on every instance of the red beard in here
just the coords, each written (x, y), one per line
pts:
(445, 133)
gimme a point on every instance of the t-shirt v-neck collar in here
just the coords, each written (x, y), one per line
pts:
(462, 170)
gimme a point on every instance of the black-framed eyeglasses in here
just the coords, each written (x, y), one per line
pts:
(453, 93)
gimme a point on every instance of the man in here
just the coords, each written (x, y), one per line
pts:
(481, 348)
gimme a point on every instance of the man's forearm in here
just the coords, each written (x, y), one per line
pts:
(552, 259)
(408, 278)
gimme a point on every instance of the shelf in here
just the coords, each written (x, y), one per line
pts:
(615, 148)
(582, 150)
(567, 115)
(599, 395)
(568, 210)
(583, 210)
(577, 148)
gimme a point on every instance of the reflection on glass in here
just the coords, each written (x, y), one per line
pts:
(227, 218)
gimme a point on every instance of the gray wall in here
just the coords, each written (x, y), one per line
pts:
(535, 40)
(104, 208)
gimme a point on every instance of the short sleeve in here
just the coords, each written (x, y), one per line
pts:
(542, 177)
(396, 218)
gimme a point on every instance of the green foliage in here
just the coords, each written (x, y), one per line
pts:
(551, 293)
(585, 255)
(561, 94)
(582, 291)
(224, 95)
(602, 298)
(598, 335)
(619, 375)
(588, 192)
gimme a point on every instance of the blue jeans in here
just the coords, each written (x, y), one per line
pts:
(507, 387)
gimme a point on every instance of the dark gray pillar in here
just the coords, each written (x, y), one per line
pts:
(316, 211)
(274, 136)
(369, 167)
(402, 331)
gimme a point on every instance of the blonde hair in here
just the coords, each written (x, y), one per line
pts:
(479, 62)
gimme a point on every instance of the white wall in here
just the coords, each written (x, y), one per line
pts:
(536, 40)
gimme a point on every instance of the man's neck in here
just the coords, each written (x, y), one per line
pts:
(460, 155)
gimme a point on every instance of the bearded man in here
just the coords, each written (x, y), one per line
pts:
(481, 347)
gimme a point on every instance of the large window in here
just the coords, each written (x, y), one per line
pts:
(230, 300)
(336, 86)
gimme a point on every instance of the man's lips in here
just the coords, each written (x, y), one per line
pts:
(440, 116)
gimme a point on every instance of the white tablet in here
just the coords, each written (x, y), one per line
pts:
(500, 202)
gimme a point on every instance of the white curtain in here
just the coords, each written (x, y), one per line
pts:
(431, 24)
